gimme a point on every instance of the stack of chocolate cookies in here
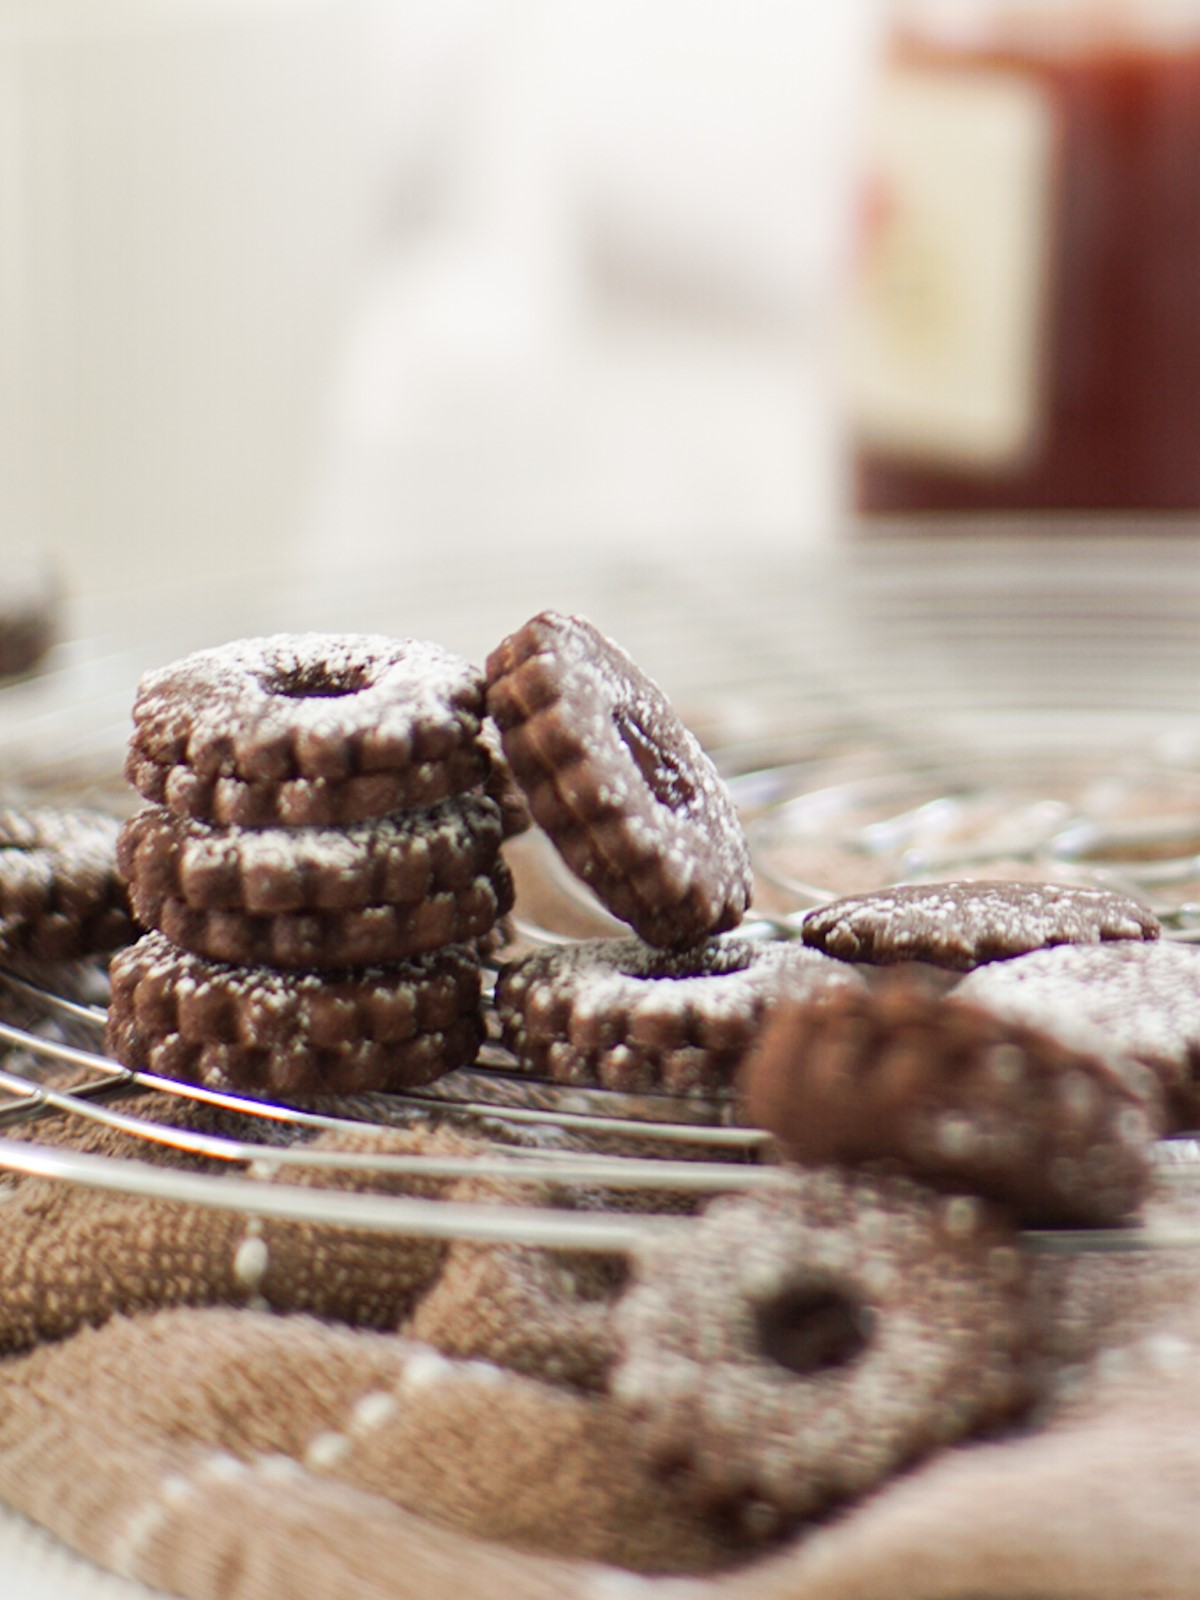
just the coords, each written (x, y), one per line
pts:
(317, 862)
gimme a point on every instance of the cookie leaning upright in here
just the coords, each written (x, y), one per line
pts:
(631, 802)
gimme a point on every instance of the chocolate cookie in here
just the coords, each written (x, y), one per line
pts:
(256, 1029)
(321, 940)
(944, 1090)
(320, 897)
(797, 1347)
(964, 924)
(631, 802)
(267, 871)
(617, 1013)
(307, 730)
(1143, 998)
(61, 896)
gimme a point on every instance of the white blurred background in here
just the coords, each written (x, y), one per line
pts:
(299, 281)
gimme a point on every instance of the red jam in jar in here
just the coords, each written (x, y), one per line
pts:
(1027, 323)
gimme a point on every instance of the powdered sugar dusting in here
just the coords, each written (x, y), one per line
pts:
(963, 924)
(262, 992)
(801, 1344)
(634, 804)
(341, 685)
(619, 1013)
(1144, 998)
(393, 860)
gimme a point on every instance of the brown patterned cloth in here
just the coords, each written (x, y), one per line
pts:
(248, 1410)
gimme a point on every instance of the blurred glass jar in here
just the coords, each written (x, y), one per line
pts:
(1026, 322)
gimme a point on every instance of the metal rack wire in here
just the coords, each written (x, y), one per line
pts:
(106, 1081)
(541, 1226)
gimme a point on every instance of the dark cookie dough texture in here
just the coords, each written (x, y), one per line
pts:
(963, 925)
(301, 730)
(61, 896)
(800, 1345)
(633, 805)
(320, 897)
(920, 1072)
(639, 813)
(348, 1031)
(316, 822)
(1143, 999)
(897, 1074)
(621, 1015)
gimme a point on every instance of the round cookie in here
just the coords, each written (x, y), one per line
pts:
(946, 1091)
(320, 941)
(396, 860)
(1143, 998)
(632, 803)
(961, 925)
(307, 730)
(800, 1345)
(617, 1013)
(320, 897)
(264, 1031)
(61, 896)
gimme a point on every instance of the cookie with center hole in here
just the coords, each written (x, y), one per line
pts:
(300, 730)
(794, 1348)
(622, 1015)
(634, 806)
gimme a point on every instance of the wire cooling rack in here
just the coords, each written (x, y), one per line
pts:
(886, 713)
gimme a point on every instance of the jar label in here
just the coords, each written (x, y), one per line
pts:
(951, 287)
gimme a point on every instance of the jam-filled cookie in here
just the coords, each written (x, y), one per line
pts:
(307, 730)
(61, 895)
(796, 1347)
(258, 1029)
(961, 925)
(620, 1014)
(634, 806)
(938, 1087)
